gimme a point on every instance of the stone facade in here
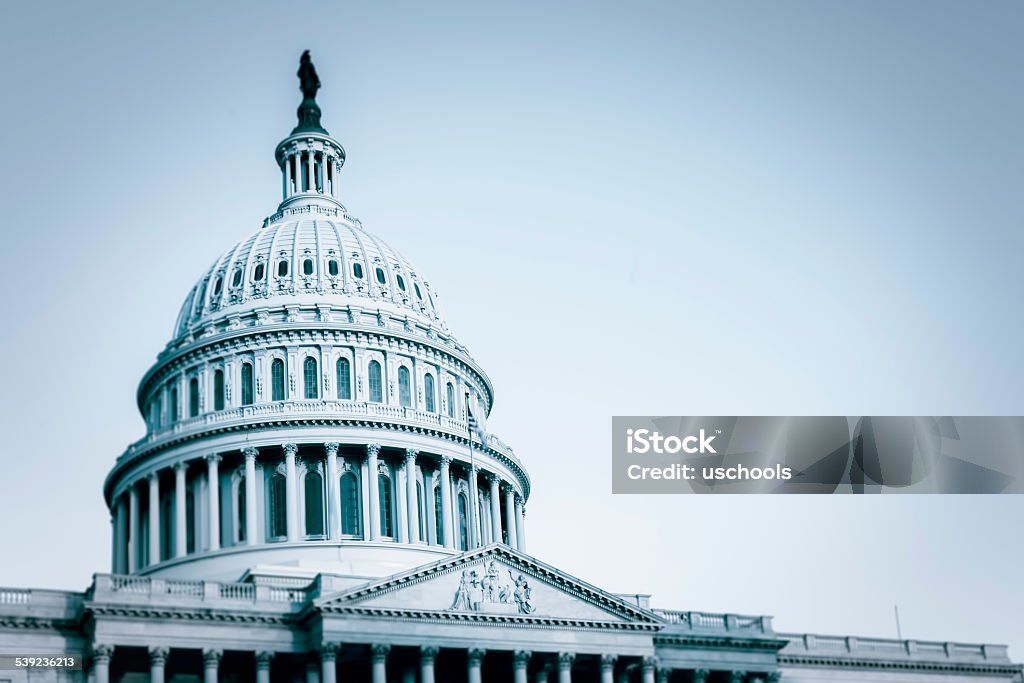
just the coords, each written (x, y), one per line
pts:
(317, 499)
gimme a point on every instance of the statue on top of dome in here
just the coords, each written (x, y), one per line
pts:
(309, 82)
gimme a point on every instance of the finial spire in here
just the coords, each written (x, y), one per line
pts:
(309, 110)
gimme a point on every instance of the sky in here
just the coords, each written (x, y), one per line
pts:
(728, 208)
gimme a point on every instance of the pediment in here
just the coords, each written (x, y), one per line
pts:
(494, 583)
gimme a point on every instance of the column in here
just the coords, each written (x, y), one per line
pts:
(520, 529)
(510, 516)
(410, 495)
(250, 495)
(475, 537)
(429, 509)
(542, 674)
(495, 508)
(287, 175)
(290, 494)
(312, 670)
(446, 502)
(372, 451)
(401, 518)
(133, 529)
(310, 173)
(663, 674)
(180, 519)
(211, 662)
(428, 655)
(607, 668)
(157, 662)
(328, 659)
(565, 660)
(520, 660)
(379, 657)
(333, 492)
(101, 655)
(647, 666)
(154, 519)
(475, 658)
(737, 676)
(213, 488)
(121, 542)
(701, 675)
(263, 666)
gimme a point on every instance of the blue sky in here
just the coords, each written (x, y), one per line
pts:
(633, 208)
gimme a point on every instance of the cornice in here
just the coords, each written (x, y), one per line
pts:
(768, 643)
(899, 665)
(503, 620)
(181, 614)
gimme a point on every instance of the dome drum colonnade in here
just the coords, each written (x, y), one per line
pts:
(377, 495)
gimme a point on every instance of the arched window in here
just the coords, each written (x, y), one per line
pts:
(344, 379)
(236, 279)
(307, 267)
(376, 383)
(351, 510)
(332, 268)
(428, 392)
(282, 268)
(417, 288)
(309, 382)
(193, 397)
(277, 510)
(217, 285)
(450, 391)
(357, 271)
(463, 522)
(384, 489)
(246, 384)
(420, 511)
(401, 282)
(380, 276)
(314, 504)
(218, 390)
(257, 273)
(277, 380)
(172, 405)
(438, 516)
(240, 506)
(404, 390)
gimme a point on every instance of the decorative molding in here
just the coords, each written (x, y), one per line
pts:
(250, 453)
(290, 449)
(331, 447)
(373, 449)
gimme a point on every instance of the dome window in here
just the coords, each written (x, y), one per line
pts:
(380, 276)
(357, 270)
(417, 288)
(216, 286)
(236, 279)
(258, 273)
(332, 268)
(401, 282)
(307, 267)
(282, 268)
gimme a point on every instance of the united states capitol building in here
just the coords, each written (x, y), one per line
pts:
(315, 500)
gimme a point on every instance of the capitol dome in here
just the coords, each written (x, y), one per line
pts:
(311, 413)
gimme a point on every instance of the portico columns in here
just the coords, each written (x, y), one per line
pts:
(446, 502)
(180, 518)
(520, 660)
(211, 663)
(250, 495)
(121, 548)
(410, 495)
(663, 675)
(328, 659)
(542, 674)
(428, 655)
(310, 174)
(607, 668)
(312, 671)
(520, 528)
(333, 492)
(263, 666)
(101, 655)
(379, 655)
(701, 675)
(475, 658)
(372, 451)
(134, 547)
(737, 676)
(565, 660)
(510, 517)
(647, 666)
(154, 518)
(213, 488)
(495, 509)
(157, 662)
(287, 176)
(291, 491)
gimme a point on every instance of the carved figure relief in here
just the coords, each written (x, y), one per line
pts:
(490, 587)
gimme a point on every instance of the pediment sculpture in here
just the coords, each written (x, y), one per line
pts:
(493, 587)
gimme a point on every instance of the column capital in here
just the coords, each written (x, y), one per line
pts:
(608, 662)
(181, 466)
(250, 453)
(290, 449)
(520, 658)
(410, 454)
(445, 461)
(663, 675)
(373, 449)
(475, 655)
(701, 675)
(328, 651)
(565, 660)
(102, 652)
(263, 658)
(737, 676)
(519, 500)
(428, 653)
(491, 478)
(211, 657)
(649, 662)
(380, 651)
(773, 676)
(158, 655)
(212, 458)
(154, 475)
(331, 447)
